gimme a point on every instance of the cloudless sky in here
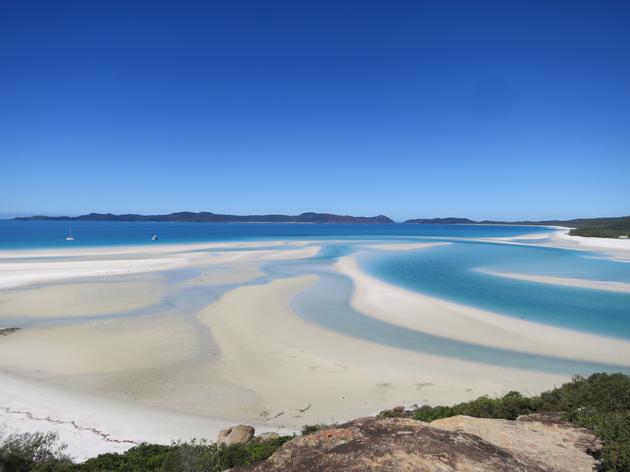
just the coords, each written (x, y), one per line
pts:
(481, 109)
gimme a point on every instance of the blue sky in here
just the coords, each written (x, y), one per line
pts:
(409, 109)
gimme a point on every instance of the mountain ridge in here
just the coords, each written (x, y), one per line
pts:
(208, 217)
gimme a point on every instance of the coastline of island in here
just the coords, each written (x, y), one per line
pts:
(605, 227)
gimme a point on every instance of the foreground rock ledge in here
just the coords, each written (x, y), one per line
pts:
(460, 443)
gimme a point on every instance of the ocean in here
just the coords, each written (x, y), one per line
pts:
(45, 234)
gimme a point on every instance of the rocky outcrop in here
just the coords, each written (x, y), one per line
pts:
(454, 444)
(544, 440)
(240, 434)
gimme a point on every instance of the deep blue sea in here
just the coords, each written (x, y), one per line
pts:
(44, 234)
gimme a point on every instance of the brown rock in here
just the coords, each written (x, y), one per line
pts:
(240, 434)
(392, 444)
(541, 439)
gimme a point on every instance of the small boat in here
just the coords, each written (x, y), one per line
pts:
(154, 237)
(69, 237)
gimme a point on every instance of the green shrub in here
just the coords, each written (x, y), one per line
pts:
(508, 407)
(193, 456)
(141, 458)
(32, 452)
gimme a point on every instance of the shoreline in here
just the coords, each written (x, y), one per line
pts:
(92, 425)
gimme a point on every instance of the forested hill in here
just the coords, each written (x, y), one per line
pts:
(207, 217)
(611, 227)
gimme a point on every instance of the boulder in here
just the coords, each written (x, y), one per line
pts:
(240, 434)
(543, 439)
(404, 444)
(267, 436)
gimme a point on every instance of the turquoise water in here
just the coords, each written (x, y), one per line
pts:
(450, 272)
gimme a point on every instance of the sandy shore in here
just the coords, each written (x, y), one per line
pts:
(438, 317)
(92, 425)
(616, 249)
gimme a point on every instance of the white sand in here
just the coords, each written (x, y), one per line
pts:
(91, 425)
(294, 365)
(77, 299)
(615, 249)
(150, 249)
(564, 281)
(17, 274)
(618, 249)
(24, 273)
(419, 312)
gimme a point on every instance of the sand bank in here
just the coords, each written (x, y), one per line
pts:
(302, 373)
(403, 246)
(149, 248)
(564, 281)
(18, 273)
(438, 317)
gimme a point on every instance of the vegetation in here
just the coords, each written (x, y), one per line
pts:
(39, 453)
(620, 227)
(32, 452)
(593, 227)
(600, 403)
(207, 217)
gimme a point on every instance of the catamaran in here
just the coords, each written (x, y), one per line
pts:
(69, 237)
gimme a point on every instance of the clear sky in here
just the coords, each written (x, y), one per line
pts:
(503, 109)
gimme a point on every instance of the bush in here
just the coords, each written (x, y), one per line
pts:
(141, 458)
(508, 407)
(190, 456)
(32, 452)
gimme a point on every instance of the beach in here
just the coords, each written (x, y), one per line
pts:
(157, 343)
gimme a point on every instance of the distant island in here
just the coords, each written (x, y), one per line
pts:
(613, 227)
(207, 217)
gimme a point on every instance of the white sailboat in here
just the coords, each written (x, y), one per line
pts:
(69, 237)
